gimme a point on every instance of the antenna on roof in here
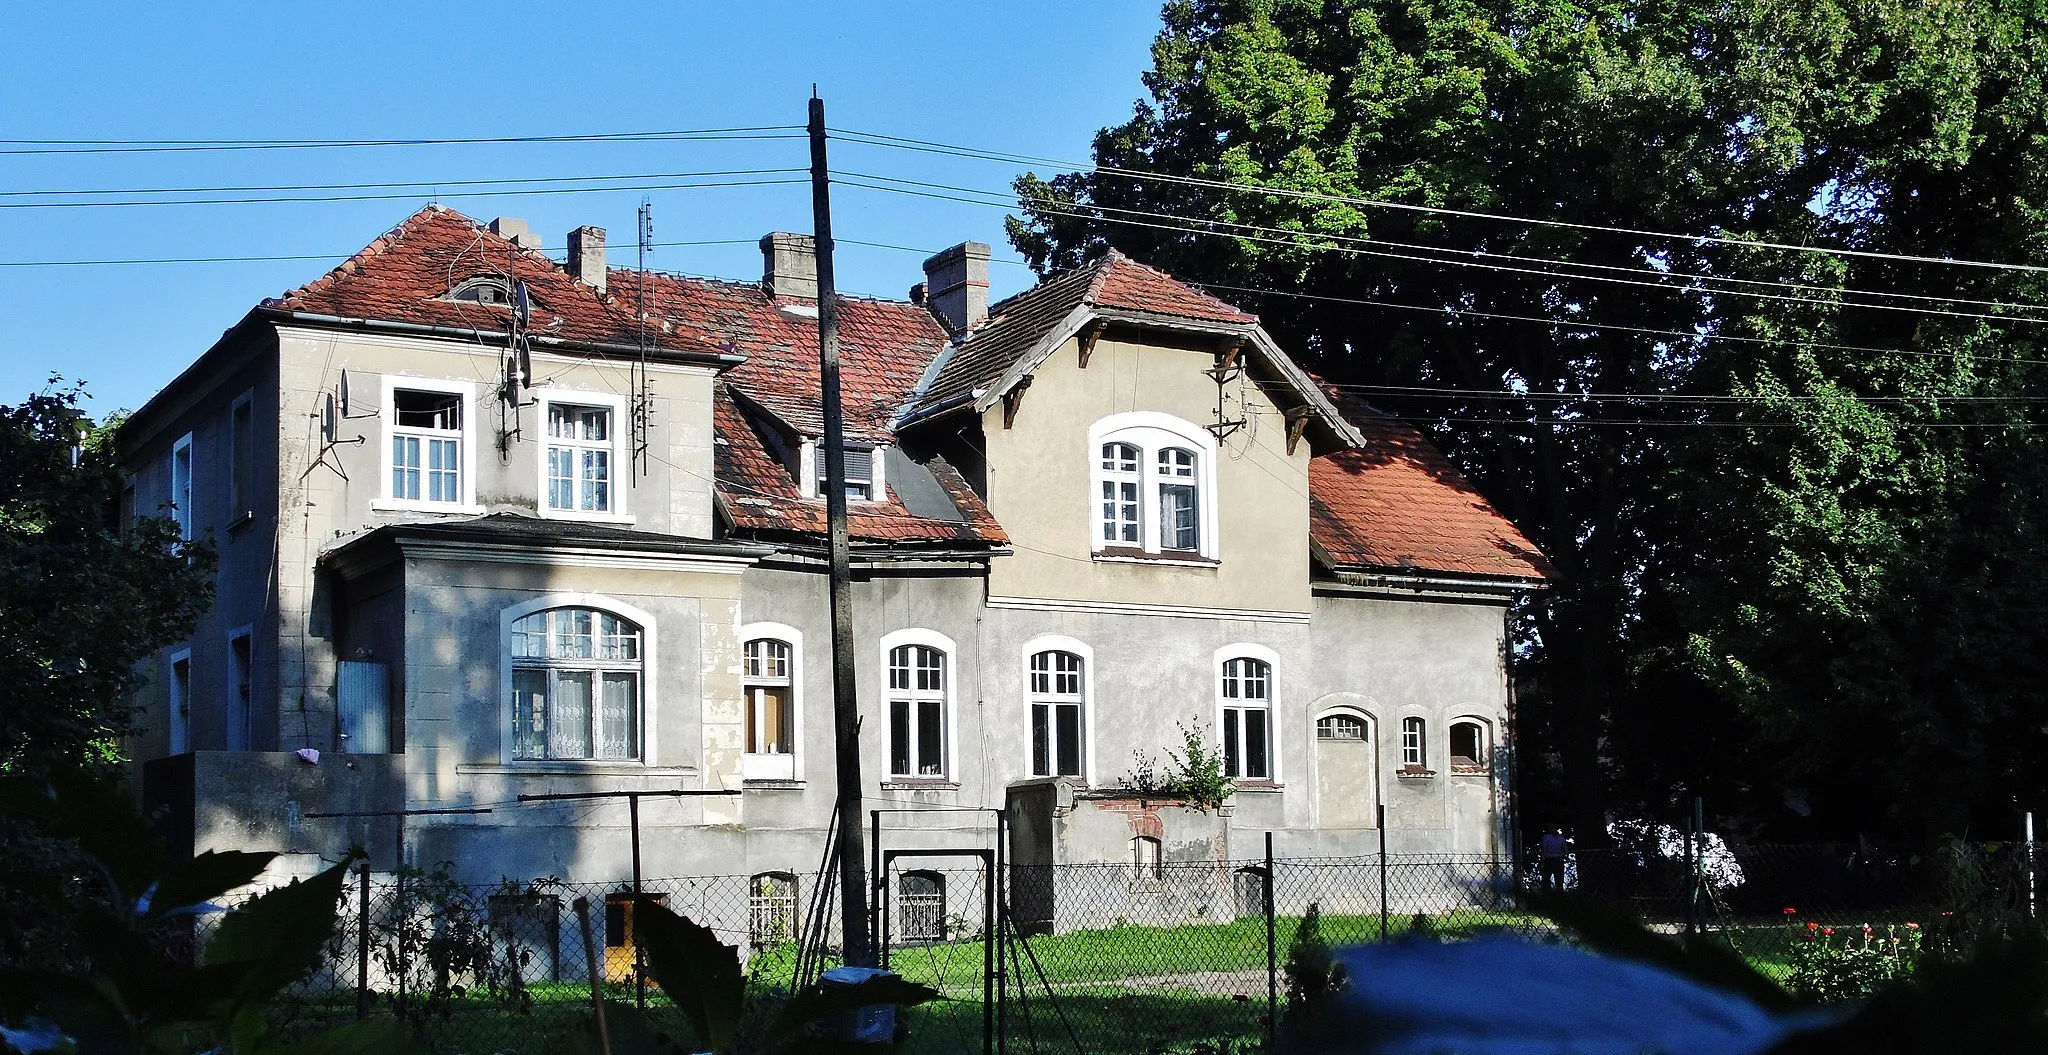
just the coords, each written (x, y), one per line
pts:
(643, 397)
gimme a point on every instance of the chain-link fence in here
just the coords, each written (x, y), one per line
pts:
(1136, 957)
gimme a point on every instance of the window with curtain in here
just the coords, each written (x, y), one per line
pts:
(771, 711)
(576, 677)
(579, 456)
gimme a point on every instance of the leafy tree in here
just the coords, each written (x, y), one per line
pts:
(1769, 534)
(82, 601)
(83, 598)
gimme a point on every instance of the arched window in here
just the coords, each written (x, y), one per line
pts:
(576, 677)
(771, 909)
(921, 897)
(917, 711)
(483, 291)
(1145, 857)
(1058, 703)
(1468, 747)
(1247, 689)
(1155, 478)
(1342, 727)
(770, 689)
(1414, 744)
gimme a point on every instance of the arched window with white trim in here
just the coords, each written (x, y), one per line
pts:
(1468, 746)
(771, 674)
(919, 702)
(1058, 705)
(1247, 735)
(1154, 478)
(576, 685)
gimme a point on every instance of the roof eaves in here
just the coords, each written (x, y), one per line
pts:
(1311, 393)
(1028, 362)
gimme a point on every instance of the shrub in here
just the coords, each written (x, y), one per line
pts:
(1860, 963)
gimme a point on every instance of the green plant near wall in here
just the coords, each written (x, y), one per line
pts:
(144, 989)
(1193, 774)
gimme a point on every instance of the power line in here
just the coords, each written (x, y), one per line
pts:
(431, 184)
(1295, 239)
(388, 197)
(297, 256)
(927, 146)
(1655, 397)
(151, 146)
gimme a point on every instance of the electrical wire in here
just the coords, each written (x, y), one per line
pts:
(928, 146)
(431, 184)
(1295, 239)
(301, 256)
(639, 187)
(151, 146)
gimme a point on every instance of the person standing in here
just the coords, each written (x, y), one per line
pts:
(1554, 846)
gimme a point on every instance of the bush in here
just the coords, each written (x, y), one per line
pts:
(1860, 963)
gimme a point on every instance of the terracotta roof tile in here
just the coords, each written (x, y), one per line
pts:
(1397, 504)
(406, 274)
(1015, 325)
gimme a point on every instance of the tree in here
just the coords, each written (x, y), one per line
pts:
(1681, 424)
(82, 601)
(83, 598)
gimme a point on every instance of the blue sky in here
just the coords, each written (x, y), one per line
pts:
(1035, 79)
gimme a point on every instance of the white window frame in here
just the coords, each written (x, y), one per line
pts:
(1485, 760)
(238, 729)
(1246, 650)
(811, 472)
(181, 489)
(469, 434)
(1062, 643)
(1414, 753)
(178, 723)
(241, 460)
(1152, 432)
(650, 665)
(949, 740)
(621, 474)
(1315, 725)
(794, 638)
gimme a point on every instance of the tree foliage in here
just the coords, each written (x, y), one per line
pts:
(83, 598)
(1792, 506)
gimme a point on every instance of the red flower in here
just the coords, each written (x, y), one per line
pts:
(1828, 932)
(1815, 926)
(1790, 911)
(1910, 925)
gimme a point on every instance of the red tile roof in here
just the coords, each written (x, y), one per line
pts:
(1397, 504)
(406, 274)
(884, 347)
(1015, 325)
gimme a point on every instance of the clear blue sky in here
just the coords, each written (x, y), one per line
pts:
(1036, 79)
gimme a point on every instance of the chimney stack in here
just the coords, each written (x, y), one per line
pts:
(956, 284)
(516, 231)
(586, 256)
(789, 265)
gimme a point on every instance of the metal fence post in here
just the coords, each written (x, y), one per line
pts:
(1382, 814)
(363, 942)
(1272, 953)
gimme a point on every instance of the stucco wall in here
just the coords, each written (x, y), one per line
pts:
(1039, 484)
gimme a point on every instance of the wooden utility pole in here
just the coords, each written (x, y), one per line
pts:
(853, 893)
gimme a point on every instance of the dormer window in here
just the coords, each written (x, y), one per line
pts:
(863, 472)
(483, 291)
(1154, 489)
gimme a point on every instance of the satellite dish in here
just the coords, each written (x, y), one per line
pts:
(344, 393)
(327, 419)
(525, 361)
(522, 305)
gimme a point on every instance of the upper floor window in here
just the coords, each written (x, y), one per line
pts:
(579, 458)
(1154, 487)
(426, 423)
(1346, 727)
(181, 485)
(1247, 718)
(576, 685)
(483, 291)
(860, 473)
(242, 458)
(918, 702)
(770, 707)
(1058, 699)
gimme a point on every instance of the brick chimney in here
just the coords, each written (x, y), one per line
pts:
(956, 284)
(789, 265)
(516, 231)
(586, 256)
